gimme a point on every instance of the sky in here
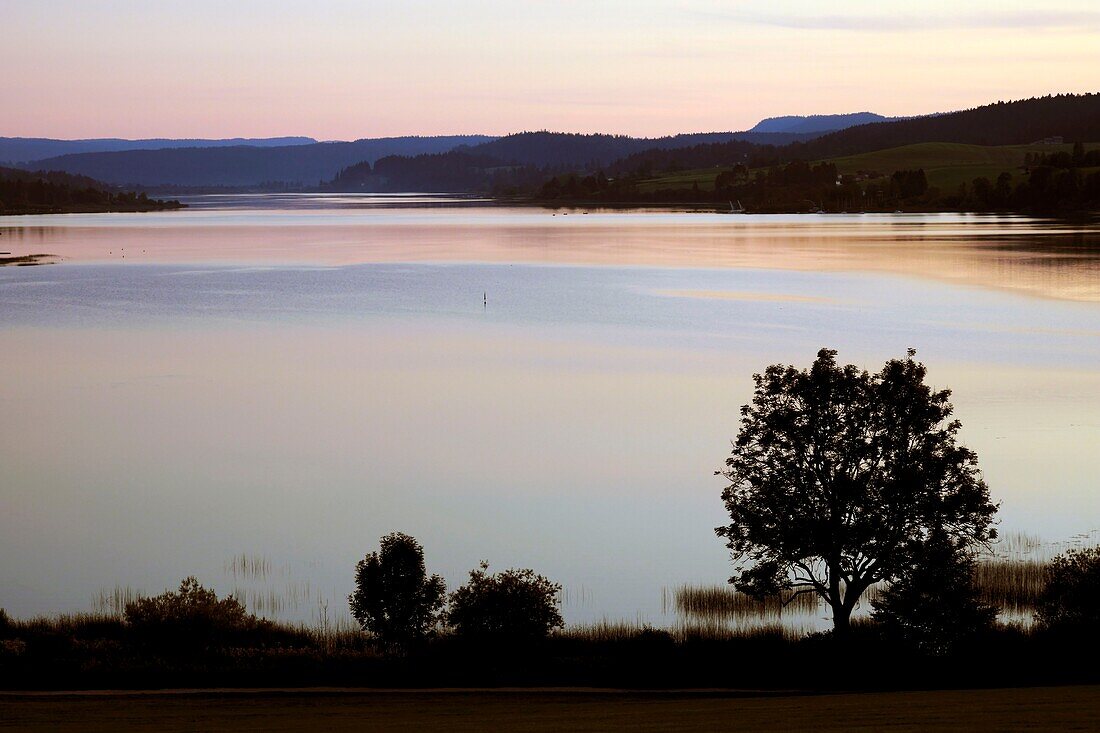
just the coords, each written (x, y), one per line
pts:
(346, 69)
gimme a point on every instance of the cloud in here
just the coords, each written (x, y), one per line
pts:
(1034, 20)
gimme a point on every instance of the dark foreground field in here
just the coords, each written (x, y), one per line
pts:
(1041, 708)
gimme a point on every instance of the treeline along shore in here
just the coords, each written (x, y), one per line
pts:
(845, 490)
(56, 192)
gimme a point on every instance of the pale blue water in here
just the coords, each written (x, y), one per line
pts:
(162, 417)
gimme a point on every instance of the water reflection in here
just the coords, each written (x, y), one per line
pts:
(1033, 257)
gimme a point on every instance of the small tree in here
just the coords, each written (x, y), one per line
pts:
(394, 598)
(514, 604)
(1071, 597)
(934, 603)
(837, 477)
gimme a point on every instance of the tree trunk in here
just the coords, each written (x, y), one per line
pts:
(842, 619)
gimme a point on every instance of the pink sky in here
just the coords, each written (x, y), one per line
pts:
(347, 69)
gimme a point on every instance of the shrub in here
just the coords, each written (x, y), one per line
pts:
(934, 604)
(514, 604)
(191, 616)
(394, 598)
(1071, 597)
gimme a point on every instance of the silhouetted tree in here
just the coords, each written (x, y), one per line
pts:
(513, 604)
(394, 597)
(933, 604)
(838, 476)
(1071, 597)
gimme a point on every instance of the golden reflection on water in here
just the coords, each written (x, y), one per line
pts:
(1024, 256)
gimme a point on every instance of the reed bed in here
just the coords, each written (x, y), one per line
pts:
(617, 632)
(717, 602)
(1012, 585)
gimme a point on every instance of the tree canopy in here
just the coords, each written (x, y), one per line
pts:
(394, 597)
(509, 605)
(838, 477)
(1071, 597)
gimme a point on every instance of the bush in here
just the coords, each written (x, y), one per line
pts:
(514, 604)
(394, 598)
(1071, 597)
(934, 604)
(193, 617)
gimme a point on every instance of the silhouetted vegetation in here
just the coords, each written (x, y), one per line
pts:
(53, 192)
(189, 619)
(845, 486)
(394, 597)
(838, 477)
(934, 604)
(1070, 601)
(191, 638)
(509, 606)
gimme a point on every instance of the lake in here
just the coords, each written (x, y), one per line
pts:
(255, 389)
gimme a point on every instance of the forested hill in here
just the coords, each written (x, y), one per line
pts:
(15, 150)
(568, 149)
(1070, 116)
(56, 192)
(527, 158)
(246, 165)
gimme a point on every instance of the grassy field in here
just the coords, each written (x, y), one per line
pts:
(1046, 708)
(946, 164)
(684, 179)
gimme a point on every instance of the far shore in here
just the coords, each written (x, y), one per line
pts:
(27, 260)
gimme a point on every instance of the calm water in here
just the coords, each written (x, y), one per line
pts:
(292, 377)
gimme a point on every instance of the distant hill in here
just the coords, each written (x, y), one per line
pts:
(808, 124)
(568, 149)
(524, 159)
(310, 164)
(20, 149)
(245, 165)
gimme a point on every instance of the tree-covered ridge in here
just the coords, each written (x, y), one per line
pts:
(54, 192)
(1069, 116)
(941, 162)
(1046, 183)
